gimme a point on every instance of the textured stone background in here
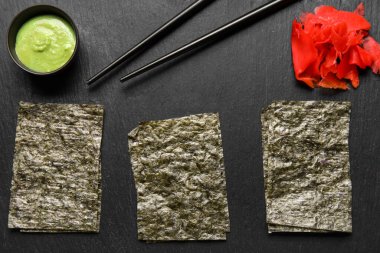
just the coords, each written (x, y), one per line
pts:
(236, 77)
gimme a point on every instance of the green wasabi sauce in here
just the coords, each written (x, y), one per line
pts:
(45, 43)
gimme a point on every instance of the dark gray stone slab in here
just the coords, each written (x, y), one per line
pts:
(236, 77)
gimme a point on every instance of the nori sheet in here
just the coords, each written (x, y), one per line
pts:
(179, 175)
(56, 168)
(306, 166)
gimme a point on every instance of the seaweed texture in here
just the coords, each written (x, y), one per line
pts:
(306, 166)
(56, 168)
(180, 179)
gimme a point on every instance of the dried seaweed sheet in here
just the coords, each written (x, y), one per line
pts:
(56, 168)
(306, 166)
(180, 179)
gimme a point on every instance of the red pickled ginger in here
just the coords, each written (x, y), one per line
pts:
(329, 45)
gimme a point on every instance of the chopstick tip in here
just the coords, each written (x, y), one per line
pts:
(89, 82)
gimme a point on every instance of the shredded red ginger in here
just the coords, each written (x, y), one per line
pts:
(329, 45)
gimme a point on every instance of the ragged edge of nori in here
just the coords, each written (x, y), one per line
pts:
(273, 228)
(57, 231)
(97, 226)
(12, 204)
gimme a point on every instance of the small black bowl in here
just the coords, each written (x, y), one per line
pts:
(24, 16)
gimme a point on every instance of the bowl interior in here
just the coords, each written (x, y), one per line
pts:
(24, 16)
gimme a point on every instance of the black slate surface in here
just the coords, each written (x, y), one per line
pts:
(236, 77)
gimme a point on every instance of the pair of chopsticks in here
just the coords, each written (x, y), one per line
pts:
(218, 33)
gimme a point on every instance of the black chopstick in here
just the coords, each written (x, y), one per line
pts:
(251, 16)
(182, 16)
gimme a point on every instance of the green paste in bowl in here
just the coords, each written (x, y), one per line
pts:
(45, 43)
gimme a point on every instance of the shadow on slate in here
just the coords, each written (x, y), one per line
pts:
(117, 70)
(140, 80)
(55, 84)
(310, 234)
(151, 43)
